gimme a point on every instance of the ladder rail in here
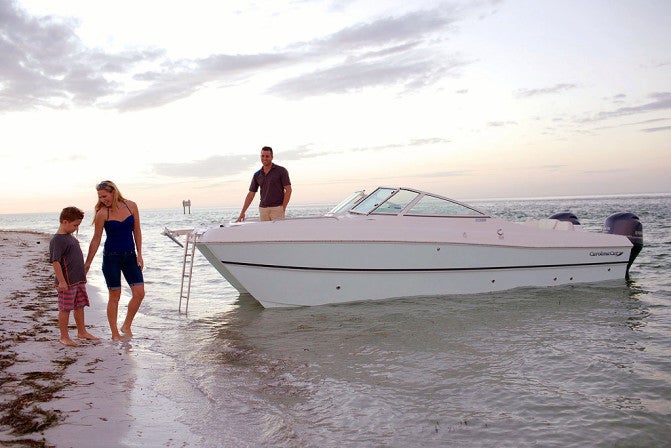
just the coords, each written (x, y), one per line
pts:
(191, 238)
(187, 263)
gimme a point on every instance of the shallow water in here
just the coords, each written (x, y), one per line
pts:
(585, 365)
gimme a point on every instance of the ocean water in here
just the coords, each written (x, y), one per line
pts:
(574, 366)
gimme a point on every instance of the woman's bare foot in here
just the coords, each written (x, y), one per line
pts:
(119, 337)
(88, 336)
(126, 331)
(68, 342)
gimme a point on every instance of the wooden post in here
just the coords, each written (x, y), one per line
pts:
(186, 203)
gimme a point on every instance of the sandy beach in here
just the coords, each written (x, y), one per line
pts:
(57, 396)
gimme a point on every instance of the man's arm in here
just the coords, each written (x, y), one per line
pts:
(287, 196)
(248, 200)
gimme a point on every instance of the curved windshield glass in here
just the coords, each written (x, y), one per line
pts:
(373, 200)
(434, 206)
(346, 204)
(397, 202)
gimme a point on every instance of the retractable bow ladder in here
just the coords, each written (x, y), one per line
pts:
(187, 261)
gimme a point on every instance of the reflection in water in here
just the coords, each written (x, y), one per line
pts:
(360, 366)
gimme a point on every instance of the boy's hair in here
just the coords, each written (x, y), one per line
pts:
(71, 214)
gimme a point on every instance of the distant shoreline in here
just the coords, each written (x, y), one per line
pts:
(195, 207)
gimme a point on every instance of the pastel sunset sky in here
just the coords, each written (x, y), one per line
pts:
(469, 99)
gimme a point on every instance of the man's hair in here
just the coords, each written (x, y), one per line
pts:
(71, 214)
(267, 148)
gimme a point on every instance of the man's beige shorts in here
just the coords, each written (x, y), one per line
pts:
(271, 213)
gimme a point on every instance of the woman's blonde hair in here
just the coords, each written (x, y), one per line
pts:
(110, 187)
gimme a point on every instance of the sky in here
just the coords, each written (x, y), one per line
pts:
(173, 100)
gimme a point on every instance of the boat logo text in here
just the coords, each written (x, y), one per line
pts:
(606, 253)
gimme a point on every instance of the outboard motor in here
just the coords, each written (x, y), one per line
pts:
(566, 216)
(627, 224)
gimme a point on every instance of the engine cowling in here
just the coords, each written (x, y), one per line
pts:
(627, 224)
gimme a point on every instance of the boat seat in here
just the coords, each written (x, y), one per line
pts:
(551, 224)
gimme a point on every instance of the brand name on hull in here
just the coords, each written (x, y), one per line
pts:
(606, 253)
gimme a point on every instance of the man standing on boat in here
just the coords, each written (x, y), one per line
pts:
(275, 189)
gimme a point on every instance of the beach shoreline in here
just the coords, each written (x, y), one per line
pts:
(52, 395)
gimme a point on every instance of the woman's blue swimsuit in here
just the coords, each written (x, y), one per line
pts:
(119, 253)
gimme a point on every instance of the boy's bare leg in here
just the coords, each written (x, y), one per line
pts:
(63, 320)
(133, 307)
(112, 312)
(82, 333)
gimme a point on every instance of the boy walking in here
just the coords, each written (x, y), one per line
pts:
(67, 258)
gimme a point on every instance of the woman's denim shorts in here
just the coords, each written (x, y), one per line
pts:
(115, 263)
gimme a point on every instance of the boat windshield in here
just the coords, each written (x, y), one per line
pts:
(392, 201)
(396, 203)
(373, 200)
(435, 206)
(347, 203)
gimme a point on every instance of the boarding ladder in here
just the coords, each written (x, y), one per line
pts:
(187, 262)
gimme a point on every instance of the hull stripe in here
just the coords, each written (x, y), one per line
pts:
(485, 268)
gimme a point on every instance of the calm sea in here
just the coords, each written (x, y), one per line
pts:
(573, 366)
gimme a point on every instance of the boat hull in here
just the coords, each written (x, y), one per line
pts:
(308, 273)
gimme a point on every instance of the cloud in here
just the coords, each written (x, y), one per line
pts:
(223, 165)
(412, 144)
(528, 93)
(392, 50)
(45, 64)
(356, 76)
(428, 141)
(498, 124)
(405, 50)
(659, 129)
(455, 173)
(177, 80)
(215, 166)
(617, 99)
(660, 101)
(230, 165)
(384, 32)
(549, 167)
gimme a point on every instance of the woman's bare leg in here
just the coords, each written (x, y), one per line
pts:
(133, 307)
(113, 311)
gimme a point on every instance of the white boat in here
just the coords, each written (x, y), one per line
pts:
(403, 242)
